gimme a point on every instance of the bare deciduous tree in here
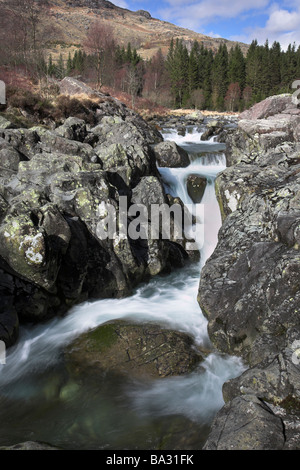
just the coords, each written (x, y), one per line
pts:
(99, 39)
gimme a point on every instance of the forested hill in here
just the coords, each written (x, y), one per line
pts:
(144, 61)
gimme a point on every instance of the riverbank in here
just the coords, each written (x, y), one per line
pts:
(249, 288)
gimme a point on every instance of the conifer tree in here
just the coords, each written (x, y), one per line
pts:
(50, 66)
(220, 77)
(69, 64)
(237, 67)
(177, 66)
(274, 67)
(60, 68)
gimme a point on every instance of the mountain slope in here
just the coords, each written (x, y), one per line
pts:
(147, 34)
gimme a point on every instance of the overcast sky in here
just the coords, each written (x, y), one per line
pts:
(231, 19)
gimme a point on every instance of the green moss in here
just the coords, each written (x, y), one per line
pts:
(290, 403)
(102, 337)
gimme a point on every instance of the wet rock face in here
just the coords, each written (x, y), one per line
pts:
(195, 187)
(55, 189)
(249, 289)
(169, 154)
(138, 350)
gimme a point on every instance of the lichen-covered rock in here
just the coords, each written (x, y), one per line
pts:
(73, 129)
(146, 350)
(249, 288)
(246, 423)
(5, 123)
(25, 141)
(59, 190)
(213, 128)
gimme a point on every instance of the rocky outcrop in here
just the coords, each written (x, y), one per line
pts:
(145, 350)
(55, 188)
(249, 288)
(246, 423)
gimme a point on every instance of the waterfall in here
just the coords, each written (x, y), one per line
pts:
(170, 300)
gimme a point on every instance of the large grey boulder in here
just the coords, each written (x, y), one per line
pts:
(268, 107)
(246, 423)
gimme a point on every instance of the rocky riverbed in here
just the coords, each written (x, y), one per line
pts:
(54, 182)
(53, 185)
(250, 287)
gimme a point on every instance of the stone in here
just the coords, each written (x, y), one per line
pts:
(5, 123)
(73, 129)
(213, 128)
(246, 423)
(268, 107)
(195, 187)
(146, 350)
(169, 154)
(55, 188)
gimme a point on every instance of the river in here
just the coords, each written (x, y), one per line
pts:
(38, 402)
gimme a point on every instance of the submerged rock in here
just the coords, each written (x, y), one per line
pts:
(140, 350)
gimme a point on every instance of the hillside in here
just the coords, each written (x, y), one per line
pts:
(73, 18)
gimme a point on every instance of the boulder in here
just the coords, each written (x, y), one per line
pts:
(195, 116)
(268, 107)
(73, 129)
(5, 123)
(169, 154)
(195, 187)
(140, 350)
(246, 423)
(24, 141)
(213, 128)
(71, 86)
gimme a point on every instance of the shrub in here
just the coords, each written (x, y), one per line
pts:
(67, 106)
(30, 102)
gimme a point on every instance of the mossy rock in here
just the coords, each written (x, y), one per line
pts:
(135, 349)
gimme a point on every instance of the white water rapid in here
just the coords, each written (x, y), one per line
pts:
(35, 406)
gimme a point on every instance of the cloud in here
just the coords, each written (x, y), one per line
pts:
(121, 3)
(276, 21)
(282, 21)
(201, 12)
(282, 25)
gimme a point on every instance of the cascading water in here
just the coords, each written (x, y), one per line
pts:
(38, 403)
